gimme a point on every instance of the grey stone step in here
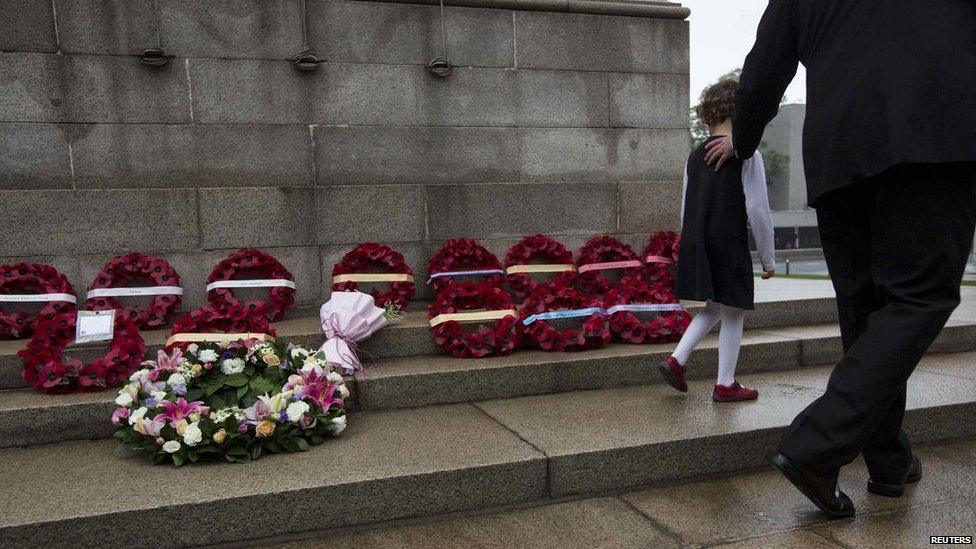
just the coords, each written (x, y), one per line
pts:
(410, 336)
(28, 417)
(436, 460)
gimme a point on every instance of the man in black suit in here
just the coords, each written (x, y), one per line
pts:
(890, 160)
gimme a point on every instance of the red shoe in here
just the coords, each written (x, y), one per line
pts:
(734, 393)
(674, 374)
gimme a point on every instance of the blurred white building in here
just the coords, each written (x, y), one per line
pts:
(795, 222)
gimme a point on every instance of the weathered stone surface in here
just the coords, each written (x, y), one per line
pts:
(157, 155)
(347, 155)
(97, 221)
(561, 98)
(650, 206)
(373, 32)
(409, 463)
(28, 417)
(350, 214)
(109, 27)
(602, 440)
(257, 216)
(762, 503)
(255, 91)
(593, 154)
(600, 43)
(27, 25)
(513, 209)
(34, 156)
(79, 88)
(232, 28)
(912, 527)
(605, 522)
(446, 379)
(649, 100)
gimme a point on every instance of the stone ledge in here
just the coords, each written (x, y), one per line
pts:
(657, 10)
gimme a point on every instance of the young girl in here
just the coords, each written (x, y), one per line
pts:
(714, 264)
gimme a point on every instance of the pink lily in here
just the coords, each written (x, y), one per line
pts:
(249, 344)
(168, 363)
(173, 412)
(322, 394)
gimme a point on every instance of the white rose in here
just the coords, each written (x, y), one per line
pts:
(176, 379)
(232, 366)
(208, 355)
(124, 398)
(160, 396)
(334, 377)
(339, 424)
(296, 410)
(171, 446)
(139, 376)
(344, 391)
(193, 347)
(298, 353)
(192, 435)
(135, 416)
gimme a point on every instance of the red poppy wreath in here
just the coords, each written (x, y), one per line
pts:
(47, 370)
(251, 318)
(625, 301)
(32, 283)
(463, 302)
(660, 255)
(601, 253)
(372, 262)
(251, 268)
(162, 284)
(463, 257)
(538, 254)
(560, 303)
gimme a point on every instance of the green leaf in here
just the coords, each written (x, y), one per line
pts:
(177, 459)
(241, 391)
(194, 393)
(302, 444)
(236, 380)
(256, 451)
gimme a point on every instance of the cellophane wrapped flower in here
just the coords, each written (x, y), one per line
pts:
(370, 257)
(230, 401)
(593, 333)
(541, 249)
(31, 278)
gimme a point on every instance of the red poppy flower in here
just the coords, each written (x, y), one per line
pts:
(371, 257)
(151, 271)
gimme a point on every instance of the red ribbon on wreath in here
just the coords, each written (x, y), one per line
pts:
(369, 258)
(32, 283)
(601, 253)
(460, 257)
(251, 318)
(164, 288)
(594, 332)
(262, 270)
(625, 301)
(46, 369)
(660, 256)
(555, 258)
(479, 302)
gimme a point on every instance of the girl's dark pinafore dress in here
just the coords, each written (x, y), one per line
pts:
(714, 263)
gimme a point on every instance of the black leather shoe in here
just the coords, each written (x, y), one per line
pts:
(821, 490)
(913, 475)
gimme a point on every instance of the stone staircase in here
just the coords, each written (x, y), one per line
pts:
(434, 435)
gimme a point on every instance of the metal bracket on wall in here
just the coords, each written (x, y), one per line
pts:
(305, 60)
(155, 56)
(441, 66)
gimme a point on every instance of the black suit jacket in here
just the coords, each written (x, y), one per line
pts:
(889, 82)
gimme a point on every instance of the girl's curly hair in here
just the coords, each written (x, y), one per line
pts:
(717, 102)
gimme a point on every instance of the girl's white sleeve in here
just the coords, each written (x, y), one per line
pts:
(757, 208)
(684, 189)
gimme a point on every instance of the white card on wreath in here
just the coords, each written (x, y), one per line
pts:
(95, 326)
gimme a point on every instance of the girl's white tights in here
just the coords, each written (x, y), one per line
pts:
(729, 338)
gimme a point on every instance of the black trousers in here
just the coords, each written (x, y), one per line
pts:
(896, 247)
